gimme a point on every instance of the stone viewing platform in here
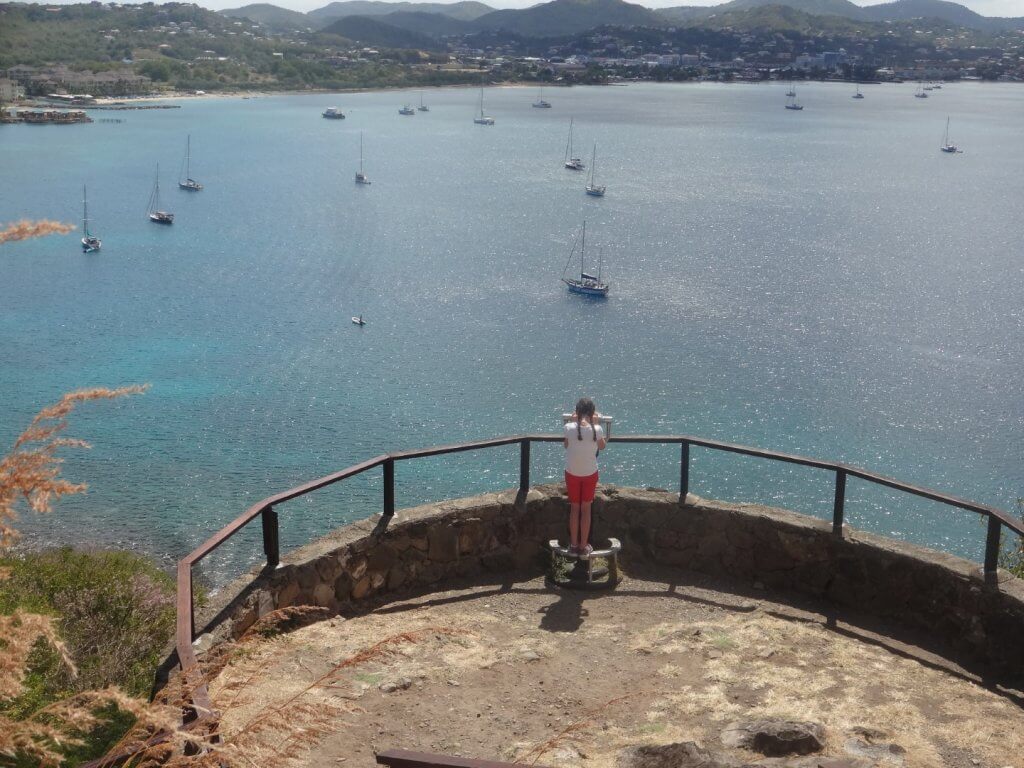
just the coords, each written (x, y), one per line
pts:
(739, 635)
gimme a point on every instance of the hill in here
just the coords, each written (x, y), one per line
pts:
(904, 10)
(433, 24)
(563, 17)
(270, 16)
(781, 18)
(367, 30)
(900, 10)
(843, 8)
(467, 10)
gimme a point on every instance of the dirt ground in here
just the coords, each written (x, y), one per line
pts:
(529, 673)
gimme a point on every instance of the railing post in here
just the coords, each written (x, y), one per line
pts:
(684, 471)
(524, 474)
(839, 504)
(191, 605)
(271, 539)
(389, 498)
(992, 542)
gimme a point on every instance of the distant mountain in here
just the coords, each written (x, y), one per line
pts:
(371, 31)
(563, 17)
(465, 11)
(433, 24)
(814, 7)
(903, 10)
(779, 18)
(271, 16)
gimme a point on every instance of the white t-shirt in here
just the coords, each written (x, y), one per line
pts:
(581, 455)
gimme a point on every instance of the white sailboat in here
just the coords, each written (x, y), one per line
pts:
(792, 90)
(155, 214)
(593, 188)
(571, 162)
(189, 183)
(361, 178)
(948, 146)
(858, 94)
(920, 92)
(794, 104)
(422, 107)
(540, 103)
(90, 243)
(483, 119)
(587, 284)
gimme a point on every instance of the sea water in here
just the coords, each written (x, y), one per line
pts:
(823, 282)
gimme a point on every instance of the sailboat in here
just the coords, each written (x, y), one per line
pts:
(588, 284)
(540, 103)
(189, 183)
(359, 320)
(361, 178)
(920, 92)
(422, 107)
(593, 188)
(407, 110)
(794, 104)
(792, 90)
(572, 163)
(155, 214)
(90, 243)
(858, 94)
(483, 119)
(947, 145)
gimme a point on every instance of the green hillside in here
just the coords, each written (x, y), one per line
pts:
(562, 17)
(365, 30)
(464, 11)
(271, 16)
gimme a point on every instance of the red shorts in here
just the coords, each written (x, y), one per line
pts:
(581, 489)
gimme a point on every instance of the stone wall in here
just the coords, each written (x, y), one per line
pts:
(486, 536)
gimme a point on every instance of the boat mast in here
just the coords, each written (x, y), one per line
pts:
(360, 151)
(583, 246)
(568, 144)
(85, 213)
(593, 164)
(188, 157)
(945, 141)
(156, 190)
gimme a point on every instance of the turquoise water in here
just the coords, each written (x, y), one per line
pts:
(824, 282)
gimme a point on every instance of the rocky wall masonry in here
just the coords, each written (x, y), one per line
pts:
(478, 538)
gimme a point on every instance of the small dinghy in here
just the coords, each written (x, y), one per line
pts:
(359, 320)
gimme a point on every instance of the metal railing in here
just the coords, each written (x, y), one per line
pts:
(185, 632)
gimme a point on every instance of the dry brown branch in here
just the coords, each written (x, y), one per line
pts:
(31, 471)
(25, 230)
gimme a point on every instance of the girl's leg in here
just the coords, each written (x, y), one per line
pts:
(584, 524)
(574, 526)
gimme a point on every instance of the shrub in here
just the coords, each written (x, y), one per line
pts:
(114, 612)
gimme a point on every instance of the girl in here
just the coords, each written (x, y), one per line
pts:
(584, 437)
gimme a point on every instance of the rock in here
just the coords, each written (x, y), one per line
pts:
(529, 655)
(775, 738)
(684, 754)
(767, 653)
(883, 753)
(203, 643)
(402, 684)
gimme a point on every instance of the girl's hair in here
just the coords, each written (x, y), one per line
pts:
(585, 408)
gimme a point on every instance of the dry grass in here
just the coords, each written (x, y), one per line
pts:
(26, 230)
(30, 472)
